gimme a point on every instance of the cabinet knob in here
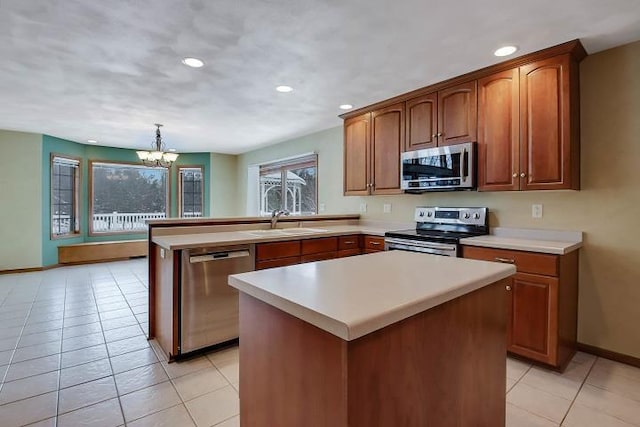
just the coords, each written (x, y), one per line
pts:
(435, 135)
(508, 287)
(515, 174)
(522, 175)
(439, 134)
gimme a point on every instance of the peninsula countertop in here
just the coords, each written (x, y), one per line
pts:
(240, 237)
(557, 242)
(352, 297)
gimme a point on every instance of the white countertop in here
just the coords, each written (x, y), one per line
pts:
(352, 297)
(533, 240)
(226, 238)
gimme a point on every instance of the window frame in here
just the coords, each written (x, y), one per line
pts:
(288, 163)
(77, 187)
(93, 233)
(179, 192)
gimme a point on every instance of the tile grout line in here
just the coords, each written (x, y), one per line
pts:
(24, 324)
(113, 375)
(584, 380)
(66, 284)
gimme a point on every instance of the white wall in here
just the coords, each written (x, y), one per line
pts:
(607, 208)
(223, 185)
(20, 200)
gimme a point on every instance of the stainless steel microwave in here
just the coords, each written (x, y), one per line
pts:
(439, 169)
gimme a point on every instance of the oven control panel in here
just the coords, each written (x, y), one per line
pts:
(437, 215)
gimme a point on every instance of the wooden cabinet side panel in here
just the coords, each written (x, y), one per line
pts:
(421, 122)
(498, 132)
(387, 141)
(373, 243)
(568, 308)
(534, 320)
(458, 114)
(545, 124)
(166, 310)
(357, 156)
(397, 374)
(292, 374)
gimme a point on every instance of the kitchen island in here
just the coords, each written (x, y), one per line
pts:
(388, 339)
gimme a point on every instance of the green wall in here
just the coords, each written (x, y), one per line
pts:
(88, 153)
(20, 201)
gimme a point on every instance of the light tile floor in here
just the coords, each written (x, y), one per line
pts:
(73, 352)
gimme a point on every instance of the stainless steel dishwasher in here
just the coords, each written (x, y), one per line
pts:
(208, 305)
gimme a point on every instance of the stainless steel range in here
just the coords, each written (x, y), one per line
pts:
(439, 230)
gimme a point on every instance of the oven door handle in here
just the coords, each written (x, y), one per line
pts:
(429, 245)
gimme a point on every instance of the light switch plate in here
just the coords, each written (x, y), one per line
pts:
(162, 255)
(363, 207)
(386, 208)
(536, 211)
(321, 207)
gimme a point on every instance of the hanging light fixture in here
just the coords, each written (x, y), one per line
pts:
(157, 156)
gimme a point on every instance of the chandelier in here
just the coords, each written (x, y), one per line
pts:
(157, 156)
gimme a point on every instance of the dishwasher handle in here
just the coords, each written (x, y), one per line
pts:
(218, 256)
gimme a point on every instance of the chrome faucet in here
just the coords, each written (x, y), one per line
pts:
(275, 216)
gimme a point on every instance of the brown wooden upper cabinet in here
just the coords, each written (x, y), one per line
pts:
(372, 145)
(446, 117)
(528, 120)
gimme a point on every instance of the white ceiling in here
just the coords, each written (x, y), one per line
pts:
(108, 70)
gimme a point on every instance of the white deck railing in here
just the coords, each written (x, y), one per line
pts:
(118, 222)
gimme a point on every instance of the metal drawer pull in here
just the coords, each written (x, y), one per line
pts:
(375, 243)
(349, 242)
(505, 260)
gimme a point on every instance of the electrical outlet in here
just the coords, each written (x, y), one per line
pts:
(363, 207)
(386, 208)
(321, 207)
(536, 211)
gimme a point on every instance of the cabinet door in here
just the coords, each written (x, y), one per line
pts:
(357, 156)
(498, 133)
(457, 114)
(387, 140)
(422, 122)
(545, 124)
(532, 328)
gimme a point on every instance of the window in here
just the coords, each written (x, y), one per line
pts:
(190, 191)
(65, 184)
(289, 184)
(125, 196)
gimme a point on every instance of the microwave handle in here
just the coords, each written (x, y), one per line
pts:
(465, 164)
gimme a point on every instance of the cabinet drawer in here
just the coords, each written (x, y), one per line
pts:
(319, 257)
(277, 250)
(373, 243)
(525, 262)
(348, 252)
(316, 246)
(279, 262)
(349, 242)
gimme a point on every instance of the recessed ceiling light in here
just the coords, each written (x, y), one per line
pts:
(284, 89)
(505, 51)
(346, 107)
(173, 150)
(91, 141)
(193, 62)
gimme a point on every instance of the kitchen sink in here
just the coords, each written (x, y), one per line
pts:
(285, 231)
(303, 230)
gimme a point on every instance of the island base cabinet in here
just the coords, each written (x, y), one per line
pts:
(442, 367)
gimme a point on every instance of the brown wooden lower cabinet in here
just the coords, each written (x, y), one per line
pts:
(349, 252)
(542, 303)
(373, 244)
(426, 370)
(278, 262)
(319, 257)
